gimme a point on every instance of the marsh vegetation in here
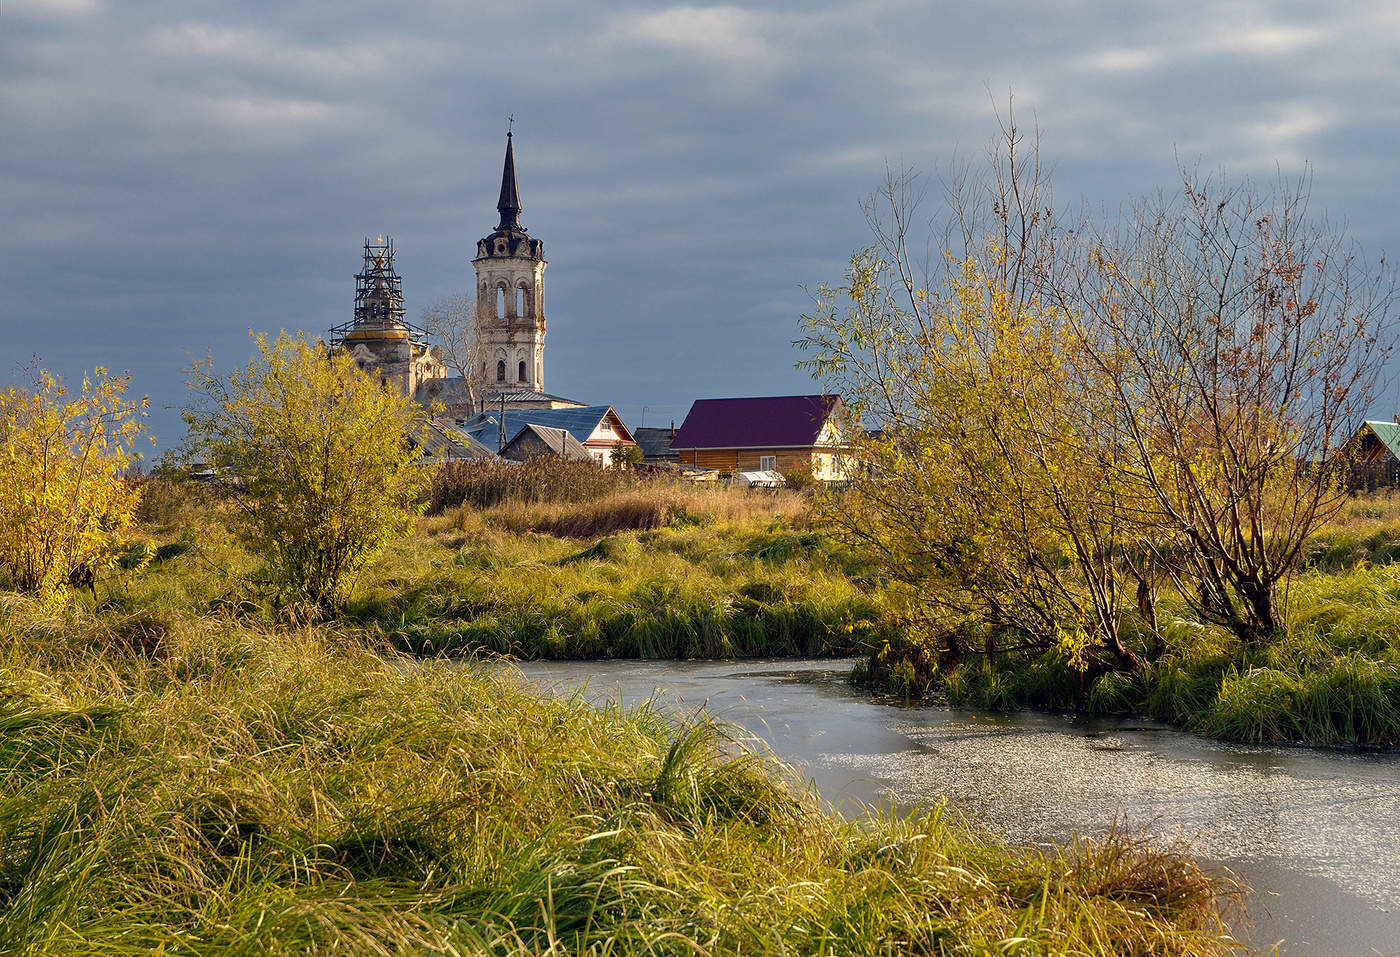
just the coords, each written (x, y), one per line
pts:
(186, 769)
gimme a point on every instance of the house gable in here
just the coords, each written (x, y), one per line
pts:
(584, 424)
(609, 431)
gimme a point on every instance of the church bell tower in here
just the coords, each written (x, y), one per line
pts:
(510, 296)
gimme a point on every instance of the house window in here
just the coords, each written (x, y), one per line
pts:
(501, 370)
(605, 426)
(522, 370)
(768, 463)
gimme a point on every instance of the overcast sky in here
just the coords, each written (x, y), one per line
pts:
(175, 172)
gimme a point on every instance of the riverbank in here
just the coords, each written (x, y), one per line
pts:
(199, 785)
(1332, 678)
(1311, 830)
(551, 568)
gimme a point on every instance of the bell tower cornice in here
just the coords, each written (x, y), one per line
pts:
(509, 239)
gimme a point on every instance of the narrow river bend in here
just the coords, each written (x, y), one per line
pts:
(1315, 833)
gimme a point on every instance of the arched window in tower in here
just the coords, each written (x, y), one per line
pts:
(520, 309)
(500, 370)
(500, 302)
(522, 370)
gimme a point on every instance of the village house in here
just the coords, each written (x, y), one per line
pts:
(1373, 456)
(783, 433)
(596, 428)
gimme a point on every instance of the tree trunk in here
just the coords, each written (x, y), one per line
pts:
(1147, 614)
(1260, 622)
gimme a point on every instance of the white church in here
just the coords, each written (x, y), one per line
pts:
(510, 400)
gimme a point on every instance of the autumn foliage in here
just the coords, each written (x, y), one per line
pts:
(65, 501)
(1060, 418)
(318, 458)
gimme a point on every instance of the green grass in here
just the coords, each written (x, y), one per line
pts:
(707, 574)
(184, 771)
(680, 572)
(1332, 679)
(195, 784)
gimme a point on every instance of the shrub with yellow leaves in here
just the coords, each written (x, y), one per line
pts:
(318, 457)
(65, 499)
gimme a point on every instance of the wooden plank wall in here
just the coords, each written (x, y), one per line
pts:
(729, 461)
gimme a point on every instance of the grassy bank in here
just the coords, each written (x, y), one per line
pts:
(711, 588)
(197, 784)
(545, 566)
(641, 569)
(1333, 678)
(549, 565)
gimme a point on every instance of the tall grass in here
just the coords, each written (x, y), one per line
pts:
(650, 569)
(692, 591)
(487, 484)
(239, 790)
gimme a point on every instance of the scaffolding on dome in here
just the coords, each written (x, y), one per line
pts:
(379, 312)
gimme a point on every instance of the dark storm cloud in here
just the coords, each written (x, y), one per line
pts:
(172, 174)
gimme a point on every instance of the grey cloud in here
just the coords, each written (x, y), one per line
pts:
(174, 173)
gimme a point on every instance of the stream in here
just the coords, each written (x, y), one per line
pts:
(1315, 833)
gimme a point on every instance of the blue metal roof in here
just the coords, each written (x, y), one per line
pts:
(580, 423)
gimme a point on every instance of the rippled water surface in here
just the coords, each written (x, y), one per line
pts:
(1315, 833)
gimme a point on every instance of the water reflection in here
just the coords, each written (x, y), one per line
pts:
(1316, 833)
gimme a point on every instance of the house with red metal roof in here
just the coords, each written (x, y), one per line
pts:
(783, 433)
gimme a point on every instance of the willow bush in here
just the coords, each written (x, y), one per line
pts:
(66, 502)
(317, 456)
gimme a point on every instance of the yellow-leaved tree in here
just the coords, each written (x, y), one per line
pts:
(318, 457)
(65, 500)
(990, 499)
(1058, 418)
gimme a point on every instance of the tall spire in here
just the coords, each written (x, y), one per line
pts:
(509, 205)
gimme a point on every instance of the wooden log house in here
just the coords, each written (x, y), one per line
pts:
(784, 433)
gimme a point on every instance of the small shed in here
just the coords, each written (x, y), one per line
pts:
(656, 444)
(441, 441)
